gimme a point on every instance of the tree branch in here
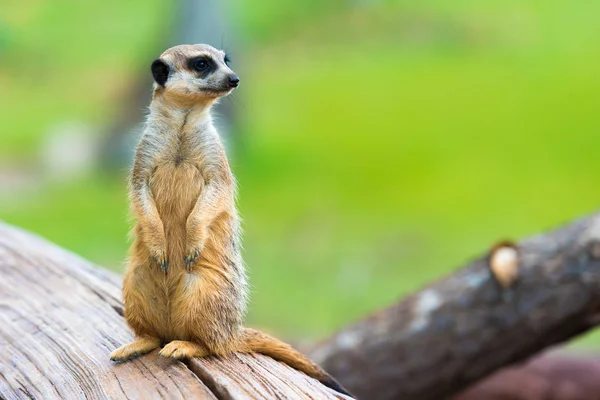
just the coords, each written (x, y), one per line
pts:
(460, 329)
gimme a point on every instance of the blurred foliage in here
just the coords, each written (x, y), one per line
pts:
(69, 59)
(383, 143)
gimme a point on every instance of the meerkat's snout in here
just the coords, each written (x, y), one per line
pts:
(234, 81)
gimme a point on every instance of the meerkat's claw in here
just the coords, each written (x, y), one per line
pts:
(162, 263)
(164, 266)
(119, 360)
(191, 257)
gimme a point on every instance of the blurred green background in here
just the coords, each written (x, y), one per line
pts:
(378, 144)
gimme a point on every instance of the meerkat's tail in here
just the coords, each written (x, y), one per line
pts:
(259, 342)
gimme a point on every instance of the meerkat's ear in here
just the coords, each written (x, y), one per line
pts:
(160, 71)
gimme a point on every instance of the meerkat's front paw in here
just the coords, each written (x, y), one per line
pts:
(192, 255)
(160, 258)
(162, 263)
(194, 250)
(197, 233)
(181, 349)
(154, 238)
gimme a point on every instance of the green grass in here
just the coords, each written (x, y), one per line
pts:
(374, 163)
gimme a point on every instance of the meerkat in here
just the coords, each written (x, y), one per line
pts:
(185, 287)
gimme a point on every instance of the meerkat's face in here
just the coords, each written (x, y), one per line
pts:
(193, 73)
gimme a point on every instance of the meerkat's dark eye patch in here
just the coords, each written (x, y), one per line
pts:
(202, 65)
(160, 71)
(227, 59)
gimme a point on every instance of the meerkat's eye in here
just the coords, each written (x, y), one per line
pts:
(200, 64)
(227, 59)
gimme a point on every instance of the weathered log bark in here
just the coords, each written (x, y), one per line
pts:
(60, 317)
(460, 329)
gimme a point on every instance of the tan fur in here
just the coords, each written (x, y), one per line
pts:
(185, 284)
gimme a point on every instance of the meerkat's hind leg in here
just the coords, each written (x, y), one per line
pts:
(140, 346)
(183, 349)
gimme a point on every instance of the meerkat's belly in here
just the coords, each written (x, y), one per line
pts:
(205, 303)
(175, 189)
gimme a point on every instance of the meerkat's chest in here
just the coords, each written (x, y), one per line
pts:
(175, 189)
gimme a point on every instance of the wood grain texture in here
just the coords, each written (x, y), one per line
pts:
(241, 377)
(60, 317)
(464, 327)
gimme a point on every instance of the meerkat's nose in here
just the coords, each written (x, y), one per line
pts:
(234, 81)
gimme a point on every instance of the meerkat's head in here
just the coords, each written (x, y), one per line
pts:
(193, 74)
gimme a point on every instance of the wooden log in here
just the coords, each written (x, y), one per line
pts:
(60, 317)
(462, 328)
